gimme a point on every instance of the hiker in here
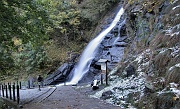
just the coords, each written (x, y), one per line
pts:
(40, 81)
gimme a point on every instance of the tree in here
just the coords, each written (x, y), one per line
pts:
(65, 17)
(26, 26)
(25, 20)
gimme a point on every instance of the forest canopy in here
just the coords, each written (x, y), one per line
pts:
(30, 29)
(25, 25)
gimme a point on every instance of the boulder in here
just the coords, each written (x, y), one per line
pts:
(106, 95)
(130, 70)
(121, 44)
(59, 75)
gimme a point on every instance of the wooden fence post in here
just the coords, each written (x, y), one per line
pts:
(6, 91)
(10, 94)
(18, 97)
(2, 90)
(101, 78)
(14, 98)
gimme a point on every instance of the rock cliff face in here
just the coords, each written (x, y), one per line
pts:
(153, 52)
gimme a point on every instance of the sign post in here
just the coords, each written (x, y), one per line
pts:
(106, 74)
(104, 69)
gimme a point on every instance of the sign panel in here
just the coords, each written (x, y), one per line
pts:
(103, 66)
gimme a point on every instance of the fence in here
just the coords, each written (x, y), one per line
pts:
(11, 91)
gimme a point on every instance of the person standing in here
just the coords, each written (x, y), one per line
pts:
(40, 81)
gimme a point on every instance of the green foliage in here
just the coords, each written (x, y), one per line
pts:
(25, 26)
(31, 58)
(27, 21)
(65, 18)
(94, 8)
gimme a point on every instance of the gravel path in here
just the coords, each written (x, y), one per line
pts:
(65, 97)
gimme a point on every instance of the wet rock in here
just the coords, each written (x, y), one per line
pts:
(106, 95)
(104, 27)
(97, 66)
(94, 70)
(60, 75)
(115, 29)
(137, 9)
(108, 36)
(74, 57)
(109, 20)
(123, 38)
(89, 76)
(130, 70)
(121, 44)
(123, 31)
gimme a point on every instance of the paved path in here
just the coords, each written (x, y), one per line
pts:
(34, 95)
(61, 97)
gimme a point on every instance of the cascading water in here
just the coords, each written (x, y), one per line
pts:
(90, 51)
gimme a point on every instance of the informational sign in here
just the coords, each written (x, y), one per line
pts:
(103, 66)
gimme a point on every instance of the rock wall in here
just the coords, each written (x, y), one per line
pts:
(153, 51)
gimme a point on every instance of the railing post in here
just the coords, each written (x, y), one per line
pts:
(101, 78)
(6, 91)
(18, 97)
(2, 90)
(14, 98)
(20, 85)
(10, 94)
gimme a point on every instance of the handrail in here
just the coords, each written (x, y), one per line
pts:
(11, 91)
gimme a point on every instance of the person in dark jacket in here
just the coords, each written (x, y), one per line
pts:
(40, 81)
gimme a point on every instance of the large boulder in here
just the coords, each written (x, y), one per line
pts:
(60, 75)
(130, 70)
(107, 95)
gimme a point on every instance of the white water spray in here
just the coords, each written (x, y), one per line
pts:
(89, 53)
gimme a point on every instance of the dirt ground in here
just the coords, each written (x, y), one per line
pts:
(69, 97)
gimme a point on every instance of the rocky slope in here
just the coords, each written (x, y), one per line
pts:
(149, 74)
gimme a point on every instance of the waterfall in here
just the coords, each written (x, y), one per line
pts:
(90, 51)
